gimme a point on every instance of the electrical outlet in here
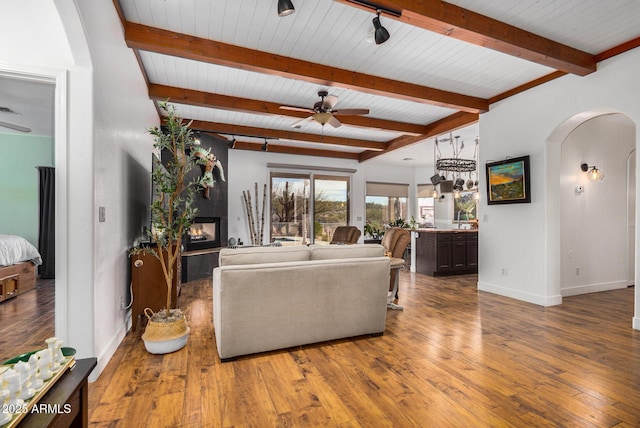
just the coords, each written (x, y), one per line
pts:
(503, 271)
(577, 270)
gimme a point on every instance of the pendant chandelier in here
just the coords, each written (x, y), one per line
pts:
(455, 164)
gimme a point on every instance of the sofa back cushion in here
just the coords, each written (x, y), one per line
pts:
(328, 252)
(255, 255)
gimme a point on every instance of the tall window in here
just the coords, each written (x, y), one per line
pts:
(386, 202)
(297, 218)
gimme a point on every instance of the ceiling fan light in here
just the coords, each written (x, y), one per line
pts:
(285, 7)
(322, 118)
(381, 34)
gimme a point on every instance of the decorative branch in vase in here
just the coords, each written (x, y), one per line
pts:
(172, 213)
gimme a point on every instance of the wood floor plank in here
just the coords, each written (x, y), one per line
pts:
(454, 357)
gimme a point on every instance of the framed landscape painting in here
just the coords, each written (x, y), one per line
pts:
(508, 181)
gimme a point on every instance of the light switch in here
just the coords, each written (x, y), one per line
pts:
(101, 214)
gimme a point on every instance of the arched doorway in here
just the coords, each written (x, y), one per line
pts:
(553, 194)
(595, 226)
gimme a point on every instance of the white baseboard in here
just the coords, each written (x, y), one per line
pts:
(520, 295)
(107, 353)
(593, 288)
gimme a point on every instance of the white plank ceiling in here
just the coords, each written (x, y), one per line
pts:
(334, 34)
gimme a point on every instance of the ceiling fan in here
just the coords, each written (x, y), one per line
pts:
(323, 112)
(10, 125)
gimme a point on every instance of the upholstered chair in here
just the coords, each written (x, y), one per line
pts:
(345, 235)
(395, 241)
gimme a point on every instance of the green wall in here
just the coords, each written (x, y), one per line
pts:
(19, 155)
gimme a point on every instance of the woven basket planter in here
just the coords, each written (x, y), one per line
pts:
(162, 335)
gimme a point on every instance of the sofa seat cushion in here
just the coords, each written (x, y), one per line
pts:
(258, 255)
(332, 252)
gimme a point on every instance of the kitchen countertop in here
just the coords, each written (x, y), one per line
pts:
(433, 230)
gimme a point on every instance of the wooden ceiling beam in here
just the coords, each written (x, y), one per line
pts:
(166, 42)
(225, 102)
(447, 124)
(278, 148)
(462, 24)
(229, 129)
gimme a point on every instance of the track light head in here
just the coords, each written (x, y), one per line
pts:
(265, 146)
(381, 33)
(285, 7)
(232, 143)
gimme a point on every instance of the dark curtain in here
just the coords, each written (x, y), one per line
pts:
(47, 222)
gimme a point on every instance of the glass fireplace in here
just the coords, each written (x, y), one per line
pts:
(204, 233)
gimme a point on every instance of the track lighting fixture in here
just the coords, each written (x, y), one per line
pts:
(265, 146)
(285, 7)
(232, 143)
(381, 33)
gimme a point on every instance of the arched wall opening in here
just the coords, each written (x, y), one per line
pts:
(562, 179)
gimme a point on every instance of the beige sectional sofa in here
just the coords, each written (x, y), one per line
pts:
(267, 298)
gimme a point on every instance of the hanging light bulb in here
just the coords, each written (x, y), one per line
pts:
(456, 194)
(435, 194)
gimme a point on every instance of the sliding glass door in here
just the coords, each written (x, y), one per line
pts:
(297, 218)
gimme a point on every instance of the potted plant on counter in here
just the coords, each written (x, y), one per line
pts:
(172, 213)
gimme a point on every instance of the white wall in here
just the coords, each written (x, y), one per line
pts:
(524, 239)
(247, 168)
(594, 222)
(122, 112)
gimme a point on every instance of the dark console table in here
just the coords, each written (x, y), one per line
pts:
(67, 401)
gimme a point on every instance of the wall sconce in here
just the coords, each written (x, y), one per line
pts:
(593, 173)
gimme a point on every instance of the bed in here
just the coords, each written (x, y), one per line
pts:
(18, 262)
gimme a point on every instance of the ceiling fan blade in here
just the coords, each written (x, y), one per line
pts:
(329, 102)
(352, 111)
(14, 126)
(334, 122)
(300, 123)
(292, 108)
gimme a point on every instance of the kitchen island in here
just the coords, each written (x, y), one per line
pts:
(444, 251)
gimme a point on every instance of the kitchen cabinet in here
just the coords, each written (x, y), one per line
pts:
(446, 252)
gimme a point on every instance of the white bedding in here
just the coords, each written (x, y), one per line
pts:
(15, 249)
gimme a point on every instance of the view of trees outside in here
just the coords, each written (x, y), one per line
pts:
(292, 207)
(330, 207)
(382, 210)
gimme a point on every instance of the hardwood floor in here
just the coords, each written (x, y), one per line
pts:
(453, 357)
(27, 320)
